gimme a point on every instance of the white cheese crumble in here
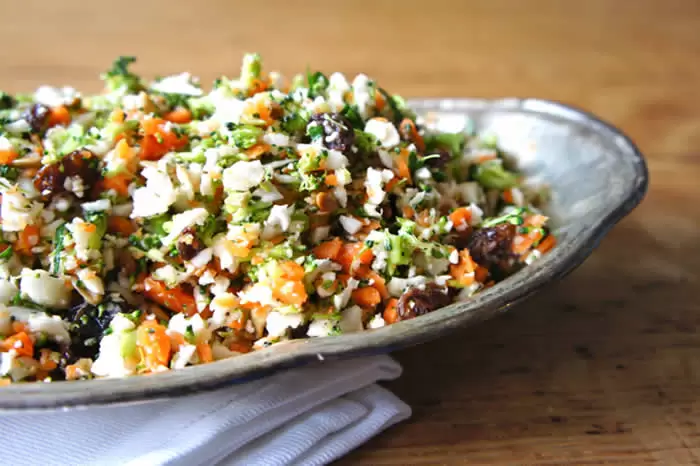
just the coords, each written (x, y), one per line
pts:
(351, 320)
(242, 176)
(55, 97)
(53, 326)
(156, 197)
(384, 131)
(42, 288)
(184, 220)
(350, 224)
(341, 299)
(277, 323)
(182, 83)
(185, 355)
(276, 139)
(376, 322)
(337, 88)
(17, 211)
(278, 221)
(363, 93)
(321, 327)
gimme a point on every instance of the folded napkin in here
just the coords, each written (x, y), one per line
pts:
(307, 416)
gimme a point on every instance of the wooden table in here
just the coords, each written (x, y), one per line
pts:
(602, 368)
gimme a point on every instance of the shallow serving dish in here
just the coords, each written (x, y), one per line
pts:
(596, 175)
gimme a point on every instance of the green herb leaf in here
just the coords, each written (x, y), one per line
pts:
(317, 83)
(491, 174)
(11, 173)
(246, 136)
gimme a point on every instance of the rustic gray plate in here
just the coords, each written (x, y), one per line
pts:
(596, 174)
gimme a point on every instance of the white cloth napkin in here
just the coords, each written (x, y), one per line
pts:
(306, 416)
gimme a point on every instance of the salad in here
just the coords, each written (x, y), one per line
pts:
(156, 225)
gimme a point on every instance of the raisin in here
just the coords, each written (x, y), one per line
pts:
(337, 130)
(416, 302)
(491, 247)
(50, 179)
(37, 116)
(459, 238)
(188, 245)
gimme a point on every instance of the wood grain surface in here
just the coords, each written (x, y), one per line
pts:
(601, 368)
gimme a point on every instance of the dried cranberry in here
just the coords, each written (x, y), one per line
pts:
(188, 245)
(50, 179)
(416, 302)
(338, 133)
(37, 116)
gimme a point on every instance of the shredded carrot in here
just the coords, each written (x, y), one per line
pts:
(45, 360)
(257, 151)
(366, 297)
(179, 115)
(154, 344)
(378, 282)
(547, 243)
(117, 116)
(486, 157)
(8, 156)
(176, 299)
(72, 372)
(380, 101)
(121, 225)
(290, 292)
(59, 116)
(331, 180)
(353, 255)
(20, 342)
(27, 239)
(463, 272)
(461, 218)
(204, 352)
(291, 270)
(508, 196)
(410, 132)
(523, 243)
(240, 347)
(328, 249)
(88, 227)
(535, 220)
(481, 274)
(391, 313)
(258, 86)
(176, 339)
(157, 141)
(18, 327)
(402, 168)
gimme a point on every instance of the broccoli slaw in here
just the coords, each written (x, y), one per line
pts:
(156, 226)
